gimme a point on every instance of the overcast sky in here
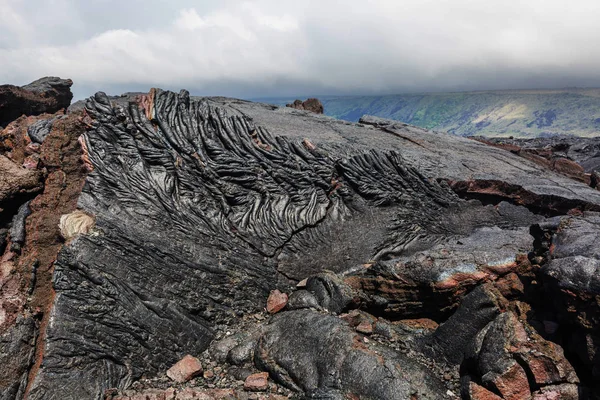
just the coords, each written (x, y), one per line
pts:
(294, 48)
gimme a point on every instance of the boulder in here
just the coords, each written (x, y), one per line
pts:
(46, 95)
(313, 105)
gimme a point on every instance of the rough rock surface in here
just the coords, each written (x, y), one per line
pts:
(312, 105)
(46, 95)
(577, 158)
(16, 181)
(185, 369)
(431, 266)
(45, 181)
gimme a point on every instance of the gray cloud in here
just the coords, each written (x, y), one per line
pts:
(274, 47)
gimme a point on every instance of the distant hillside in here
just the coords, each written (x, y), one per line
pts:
(519, 113)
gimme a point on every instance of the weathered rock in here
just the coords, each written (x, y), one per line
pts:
(16, 181)
(317, 353)
(561, 149)
(17, 349)
(302, 299)
(38, 131)
(559, 392)
(185, 369)
(516, 362)
(331, 292)
(572, 283)
(477, 392)
(26, 293)
(276, 301)
(46, 95)
(17, 229)
(453, 341)
(544, 156)
(432, 282)
(312, 105)
(257, 382)
(75, 223)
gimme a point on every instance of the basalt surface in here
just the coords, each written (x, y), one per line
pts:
(577, 158)
(417, 264)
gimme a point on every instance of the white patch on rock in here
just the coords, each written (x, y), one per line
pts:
(76, 223)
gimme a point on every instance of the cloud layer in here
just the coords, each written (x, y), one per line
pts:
(274, 47)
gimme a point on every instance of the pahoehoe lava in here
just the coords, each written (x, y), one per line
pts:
(418, 264)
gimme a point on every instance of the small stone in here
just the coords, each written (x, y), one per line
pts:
(208, 374)
(257, 382)
(365, 327)
(31, 162)
(302, 283)
(185, 369)
(276, 301)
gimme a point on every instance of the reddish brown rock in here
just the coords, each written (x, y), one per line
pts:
(419, 323)
(185, 369)
(360, 320)
(276, 301)
(257, 382)
(365, 327)
(571, 169)
(312, 105)
(513, 384)
(61, 189)
(16, 180)
(477, 392)
(510, 285)
(353, 318)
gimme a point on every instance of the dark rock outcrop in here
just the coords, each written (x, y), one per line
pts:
(572, 282)
(46, 95)
(577, 158)
(313, 105)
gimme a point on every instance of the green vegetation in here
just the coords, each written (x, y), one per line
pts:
(519, 113)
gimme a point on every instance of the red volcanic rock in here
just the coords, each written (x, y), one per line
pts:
(312, 105)
(365, 327)
(185, 369)
(513, 384)
(257, 382)
(571, 169)
(16, 180)
(477, 392)
(46, 95)
(276, 301)
(510, 285)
